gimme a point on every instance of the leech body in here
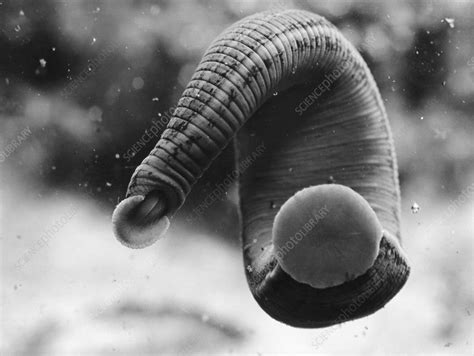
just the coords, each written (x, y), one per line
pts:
(267, 68)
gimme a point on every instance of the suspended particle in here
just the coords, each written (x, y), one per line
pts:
(415, 208)
(449, 21)
(138, 83)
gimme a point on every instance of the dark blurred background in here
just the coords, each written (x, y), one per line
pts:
(85, 79)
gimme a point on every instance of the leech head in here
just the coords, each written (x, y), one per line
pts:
(139, 221)
(326, 235)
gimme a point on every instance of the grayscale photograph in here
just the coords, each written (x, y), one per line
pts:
(236, 177)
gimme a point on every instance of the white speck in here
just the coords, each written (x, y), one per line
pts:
(53, 168)
(249, 268)
(421, 118)
(155, 10)
(138, 83)
(155, 99)
(96, 10)
(95, 113)
(159, 114)
(22, 13)
(275, 93)
(53, 49)
(117, 156)
(108, 184)
(17, 28)
(449, 21)
(443, 83)
(42, 62)
(415, 208)
(7, 81)
(290, 170)
(93, 40)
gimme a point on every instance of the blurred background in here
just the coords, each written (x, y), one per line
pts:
(81, 81)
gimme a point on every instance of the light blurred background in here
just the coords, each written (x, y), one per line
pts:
(81, 81)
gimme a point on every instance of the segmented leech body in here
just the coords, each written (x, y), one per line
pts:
(262, 68)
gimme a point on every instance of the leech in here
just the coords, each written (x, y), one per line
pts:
(290, 82)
